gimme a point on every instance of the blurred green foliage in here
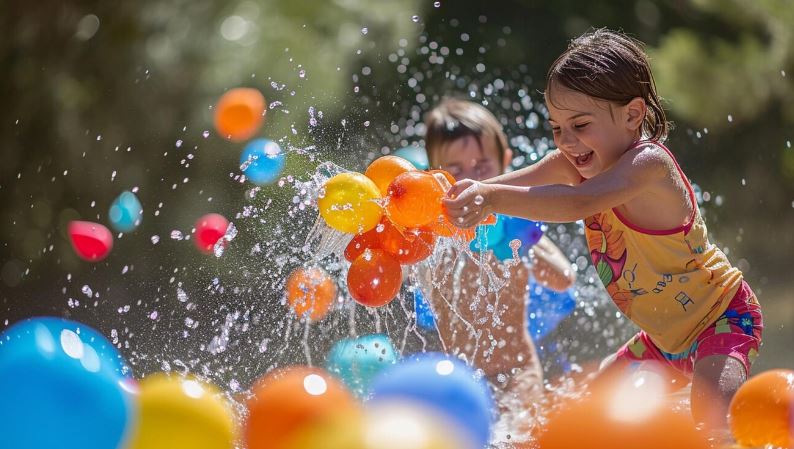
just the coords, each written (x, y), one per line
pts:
(100, 97)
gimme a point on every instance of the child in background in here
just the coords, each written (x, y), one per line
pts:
(465, 139)
(648, 241)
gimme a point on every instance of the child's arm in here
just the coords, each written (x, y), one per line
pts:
(552, 169)
(636, 171)
(550, 267)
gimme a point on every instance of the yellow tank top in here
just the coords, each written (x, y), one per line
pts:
(672, 283)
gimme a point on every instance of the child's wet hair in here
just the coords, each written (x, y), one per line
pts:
(613, 67)
(453, 119)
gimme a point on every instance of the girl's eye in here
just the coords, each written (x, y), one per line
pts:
(581, 125)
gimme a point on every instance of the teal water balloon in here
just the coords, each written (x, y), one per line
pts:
(356, 361)
(414, 155)
(262, 161)
(125, 212)
(62, 385)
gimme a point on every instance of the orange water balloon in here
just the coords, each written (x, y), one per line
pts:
(311, 290)
(414, 199)
(288, 402)
(407, 246)
(239, 113)
(383, 170)
(374, 278)
(627, 411)
(762, 411)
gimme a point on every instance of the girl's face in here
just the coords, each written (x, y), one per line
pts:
(466, 158)
(591, 133)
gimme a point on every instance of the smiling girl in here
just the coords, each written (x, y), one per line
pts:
(647, 239)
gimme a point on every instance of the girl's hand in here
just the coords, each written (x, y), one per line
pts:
(468, 202)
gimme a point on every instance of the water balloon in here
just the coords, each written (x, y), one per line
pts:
(414, 155)
(356, 361)
(762, 410)
(348, 203)
(239, 113)
(414, 199)
(91, 241)
(262, 161)
(374, 278)
(383, 170)
(125, 212)
(209, 229)
(312, 291)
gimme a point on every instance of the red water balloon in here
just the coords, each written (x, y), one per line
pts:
(374, 278)
(209, 229)
(91, 241)
(361, 243)
(407, 246)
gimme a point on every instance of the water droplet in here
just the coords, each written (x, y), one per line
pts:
(302, 73)
(155, 239)
(176, 235)
(415, 19)
(478, 200)
(205, 134)
(364, 30)
(437, 4)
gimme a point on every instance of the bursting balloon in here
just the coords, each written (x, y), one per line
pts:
(125, 212)
(497, 238)
(546, 308)
(443, 384)
(349, 203)
(356, 361)
(63, 385)
(262, 161)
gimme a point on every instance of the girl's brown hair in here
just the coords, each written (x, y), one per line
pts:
(614, 67)
(453, 119)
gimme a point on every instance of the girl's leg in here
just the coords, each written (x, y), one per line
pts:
(715, 380)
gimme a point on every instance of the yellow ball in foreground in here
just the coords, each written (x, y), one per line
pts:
(179, 412)
(349, 203)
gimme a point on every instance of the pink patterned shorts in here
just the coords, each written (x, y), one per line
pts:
(736, 333)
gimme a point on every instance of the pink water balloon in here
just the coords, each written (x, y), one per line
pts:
(91, 241)
(209, 229)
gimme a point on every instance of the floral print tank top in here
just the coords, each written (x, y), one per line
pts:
(671, 283)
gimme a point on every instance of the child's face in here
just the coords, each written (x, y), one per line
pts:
(592, 134)
(466, 158)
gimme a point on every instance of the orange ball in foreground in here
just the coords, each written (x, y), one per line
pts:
(762, 411)
(414, 199)
(625, 412)
(239, 113)
(374, 278)
(383, 170)
(310, 290)
(291, 401)
(407, 246)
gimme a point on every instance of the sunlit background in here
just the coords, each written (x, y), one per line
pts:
(101, 97)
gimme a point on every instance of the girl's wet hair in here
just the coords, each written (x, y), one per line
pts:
(453, 119)
(613, 67)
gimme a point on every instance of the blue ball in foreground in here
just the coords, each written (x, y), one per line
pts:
(357, 361)
(125, 212)
(262, 161)
(444, 384)
(414, 155)
(62, 385)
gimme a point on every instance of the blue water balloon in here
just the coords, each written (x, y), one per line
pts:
(546, 309)
(444, 384)
(424, 313)
(62, 385)
(356, 361)
(125, 212)
(414, 155)
(262, 161)
(497, 237)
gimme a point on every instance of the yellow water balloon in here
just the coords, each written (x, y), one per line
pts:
(182, 412)
(349, 203)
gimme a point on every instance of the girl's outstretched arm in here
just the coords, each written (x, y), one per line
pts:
(636, 171)
(552, 169)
